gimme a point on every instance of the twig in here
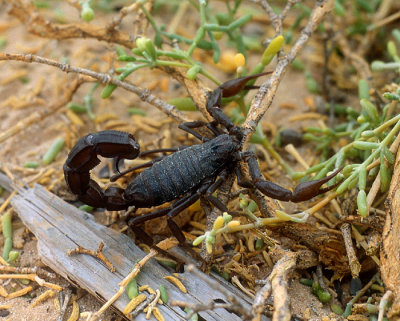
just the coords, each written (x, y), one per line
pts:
(267, 91)
(275, 19)
(233, 305)
(164, 245)
(387, 297)
(320, 278)
(67, 297)
(142, 305)
(26, 270)
(143, 94)
(259, 301)
(152, 304)
(122, 14)
(97, 254)
(286, 9)
(354, 264)
(32, 277)
(361, 292)
(358, 62)
(38, 25)
(279, 279)
(235, 280)
(385, 21)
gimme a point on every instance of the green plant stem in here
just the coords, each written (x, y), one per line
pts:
(385, 142)
(387, 124)
(210, 76)
(201, 31)
(171, 64)
(149, 18)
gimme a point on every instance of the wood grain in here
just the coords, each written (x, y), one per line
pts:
(390, 252)
(59, 226)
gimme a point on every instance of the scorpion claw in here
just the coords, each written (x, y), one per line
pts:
(307, 190)
(235, 86)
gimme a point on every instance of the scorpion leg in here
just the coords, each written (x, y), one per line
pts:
(303, 192)
(188, 127)
(228, 89)
(213, 107)
(213, 187)
(162, 150)
(170, 211)
(185, 203)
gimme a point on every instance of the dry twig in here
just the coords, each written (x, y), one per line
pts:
(164, 245)
(38, 25)
(267, 91)
(97, 254)
(143, 94)
(354, 264)
(233, 305)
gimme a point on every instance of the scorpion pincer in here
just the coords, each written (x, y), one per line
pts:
(184, 176)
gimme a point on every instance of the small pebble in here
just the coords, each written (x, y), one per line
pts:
(290, 136)
(4, 313)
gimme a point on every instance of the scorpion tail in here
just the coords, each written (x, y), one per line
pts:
(307, 190)
(83, 158)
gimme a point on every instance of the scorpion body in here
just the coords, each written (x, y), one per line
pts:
(182, 177)
(181, 172)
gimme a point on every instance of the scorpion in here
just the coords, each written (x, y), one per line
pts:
(182, 177)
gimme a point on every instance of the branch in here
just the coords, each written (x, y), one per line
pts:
(38, 25)
(143, 93)
(267, 91)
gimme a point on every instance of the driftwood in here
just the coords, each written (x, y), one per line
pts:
(390, 261)
(60, 227)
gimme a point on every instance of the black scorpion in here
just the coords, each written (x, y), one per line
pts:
(183, 176)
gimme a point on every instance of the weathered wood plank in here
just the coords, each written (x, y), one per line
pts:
(60, 226)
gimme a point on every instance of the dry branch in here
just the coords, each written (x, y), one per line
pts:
(268, 90)
(390, 261)
(38, 25)
(143, 94)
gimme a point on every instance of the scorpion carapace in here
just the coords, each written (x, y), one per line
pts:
(182, 177)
